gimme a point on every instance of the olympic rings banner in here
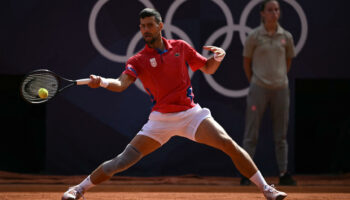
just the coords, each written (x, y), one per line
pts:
(83, 37)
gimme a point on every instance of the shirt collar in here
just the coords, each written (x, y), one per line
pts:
(264, 32)
(166, 44)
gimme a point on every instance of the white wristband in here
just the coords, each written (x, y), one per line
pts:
(104, 82)
(219, 58)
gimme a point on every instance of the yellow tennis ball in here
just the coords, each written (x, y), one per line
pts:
(43, 93)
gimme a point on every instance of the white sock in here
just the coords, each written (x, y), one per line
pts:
(86, 184)
(258, 180)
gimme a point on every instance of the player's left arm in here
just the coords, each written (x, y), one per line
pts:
(214, 62)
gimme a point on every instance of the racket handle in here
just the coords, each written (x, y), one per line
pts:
(83, 81)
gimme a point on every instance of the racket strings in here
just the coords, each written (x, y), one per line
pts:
(33, 82)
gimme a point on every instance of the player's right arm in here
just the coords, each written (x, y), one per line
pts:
(115, 85)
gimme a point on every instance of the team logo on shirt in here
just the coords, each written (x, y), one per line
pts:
(283, 41)
(177, 54)
(153, 62)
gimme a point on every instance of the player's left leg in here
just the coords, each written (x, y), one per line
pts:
(211, 133)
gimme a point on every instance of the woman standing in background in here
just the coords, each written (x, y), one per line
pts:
(267, 57)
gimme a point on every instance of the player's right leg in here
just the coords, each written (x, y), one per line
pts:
(139, 147)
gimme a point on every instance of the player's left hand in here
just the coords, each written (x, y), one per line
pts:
(219, 53)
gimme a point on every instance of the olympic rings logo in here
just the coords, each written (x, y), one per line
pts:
(169, 28)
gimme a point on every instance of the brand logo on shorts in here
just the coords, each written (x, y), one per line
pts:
(153, 62)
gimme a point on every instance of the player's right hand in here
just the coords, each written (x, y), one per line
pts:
(94, 81)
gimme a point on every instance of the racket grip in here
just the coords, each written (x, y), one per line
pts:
(83, 81)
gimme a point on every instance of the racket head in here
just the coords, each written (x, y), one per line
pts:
(34, 80)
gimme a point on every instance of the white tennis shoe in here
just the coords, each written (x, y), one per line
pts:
(271, 193)
(73, 193)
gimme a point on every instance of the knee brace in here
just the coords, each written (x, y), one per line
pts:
(123, 161)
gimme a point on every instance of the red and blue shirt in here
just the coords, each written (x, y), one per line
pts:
(164, 74)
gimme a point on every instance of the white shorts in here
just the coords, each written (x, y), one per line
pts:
(162, 126)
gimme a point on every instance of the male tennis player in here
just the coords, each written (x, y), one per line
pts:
(161, 67)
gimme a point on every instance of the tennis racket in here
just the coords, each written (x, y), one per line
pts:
(44, 78)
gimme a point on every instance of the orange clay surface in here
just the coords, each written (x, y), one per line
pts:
(189, 187)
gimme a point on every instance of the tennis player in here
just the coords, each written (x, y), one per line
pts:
(161, 67)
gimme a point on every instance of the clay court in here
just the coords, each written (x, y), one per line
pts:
(40, 187)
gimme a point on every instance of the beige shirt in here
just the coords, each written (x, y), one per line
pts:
(269, 55)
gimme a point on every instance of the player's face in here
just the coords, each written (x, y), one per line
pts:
(271, 13)
(150, 29)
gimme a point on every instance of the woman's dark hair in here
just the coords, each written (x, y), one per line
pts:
(263, 4)
(149, 12)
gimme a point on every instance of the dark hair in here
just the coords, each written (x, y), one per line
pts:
(263, 4)
(149, 12)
